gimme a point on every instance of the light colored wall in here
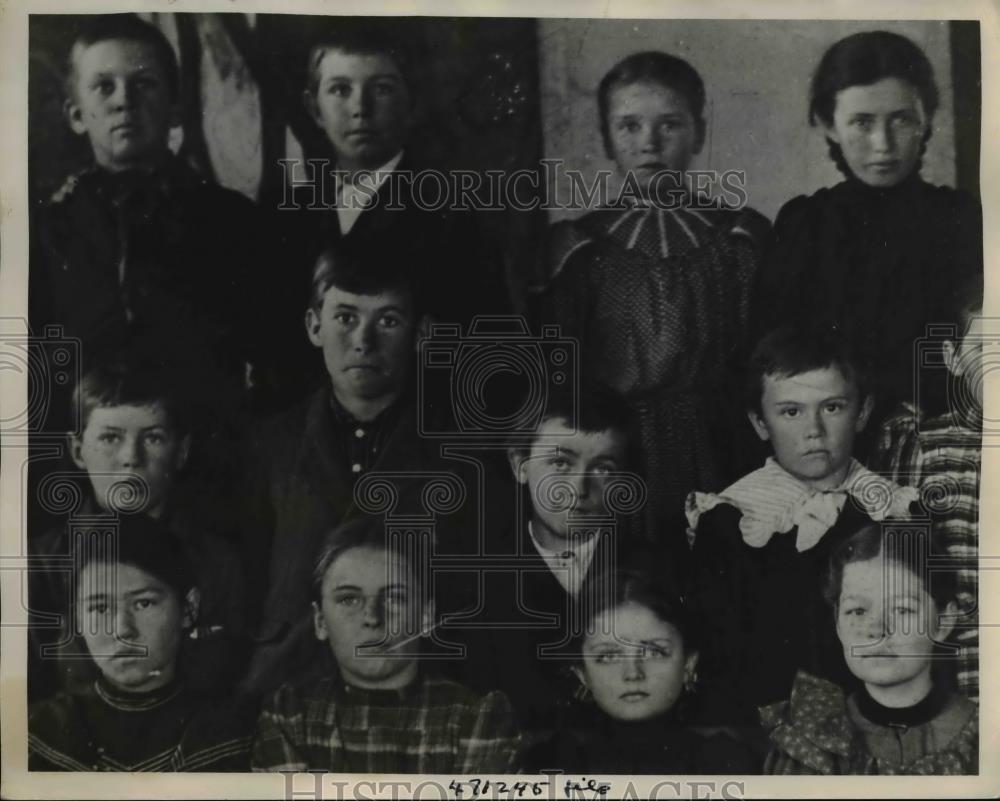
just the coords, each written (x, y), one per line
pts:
(756, 77)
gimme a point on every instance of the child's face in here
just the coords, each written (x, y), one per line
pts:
(651, 128)
(132, 455)
(566, 472)
(635, 665)
(372, 615)
(364, 107)
(121, 101)
(966, 363)
(132, 623)
(368, 341)
(880, 129)
(811, 420)
(888, 625)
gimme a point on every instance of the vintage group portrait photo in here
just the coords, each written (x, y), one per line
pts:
(515, 402)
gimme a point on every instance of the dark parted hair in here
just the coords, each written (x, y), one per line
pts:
(652, 66)
(366, 268)
(640, 584)
(593, 407)
(911, 547)
(861, 60)
(369, 532)
(792, 350)
(143, 542)
(104, 27)
(127, 383)
(362, 37)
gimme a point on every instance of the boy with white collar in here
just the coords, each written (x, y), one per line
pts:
(761, 545)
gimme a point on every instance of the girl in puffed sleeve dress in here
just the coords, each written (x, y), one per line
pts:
(656, 290)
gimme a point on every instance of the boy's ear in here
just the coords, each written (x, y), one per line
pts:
(319, 625)
(176, 118)
(759, 425)
(74, 116)
(690, 669)
(866, 411)
(579, 672)
(76, 449)
(192, 603)
(184, 451)
(518, 461)
(312, 107)
(700, 131)
(951, 360)
(313, 324)
(422, 329)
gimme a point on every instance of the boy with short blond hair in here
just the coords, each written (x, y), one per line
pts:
(377, 708)
(137, 254)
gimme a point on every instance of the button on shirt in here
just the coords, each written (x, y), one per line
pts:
(569, 566)
(361, 443)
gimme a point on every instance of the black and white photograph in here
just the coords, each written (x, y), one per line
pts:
(517, 406)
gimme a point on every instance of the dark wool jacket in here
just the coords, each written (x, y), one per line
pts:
(300, 487)
(165, 265)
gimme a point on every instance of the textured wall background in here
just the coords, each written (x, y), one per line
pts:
(756, 77)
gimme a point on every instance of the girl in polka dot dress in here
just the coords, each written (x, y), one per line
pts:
(892, 617)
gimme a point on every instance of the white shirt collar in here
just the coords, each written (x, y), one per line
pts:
(352, 200)
(571, 564)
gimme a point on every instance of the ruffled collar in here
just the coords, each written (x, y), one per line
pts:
(773, 502)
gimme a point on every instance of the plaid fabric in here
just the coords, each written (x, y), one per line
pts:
(943, 459)
(434, 726)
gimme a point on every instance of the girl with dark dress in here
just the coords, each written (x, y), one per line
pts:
(135, 600)
(655, 288)
(878, 253)
(637, 667)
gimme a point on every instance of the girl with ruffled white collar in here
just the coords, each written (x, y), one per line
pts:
(760, 546)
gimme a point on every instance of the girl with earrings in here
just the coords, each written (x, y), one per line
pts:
(637, 665)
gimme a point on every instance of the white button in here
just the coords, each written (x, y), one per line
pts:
(356, 468)
(359, 433)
